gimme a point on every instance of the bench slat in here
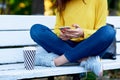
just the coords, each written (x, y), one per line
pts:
(118, 48)
(26, 21)
(118, 34)
(18, 22)
(41, 71)
(16, 54)
(11, 55)
(21, 65)
(111, 64)
(115, 20)
(11, 66)
(9, 38)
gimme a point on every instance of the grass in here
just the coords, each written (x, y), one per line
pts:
(108, 75)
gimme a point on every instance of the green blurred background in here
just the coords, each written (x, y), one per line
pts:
(42, 7)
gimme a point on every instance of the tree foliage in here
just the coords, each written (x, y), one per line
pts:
(20, 6)
(24, 7)
(114, 7)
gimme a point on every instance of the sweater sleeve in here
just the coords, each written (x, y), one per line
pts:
(101, 12)
(58, 24)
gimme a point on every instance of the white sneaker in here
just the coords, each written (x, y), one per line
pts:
(43, 58)
(94, 64)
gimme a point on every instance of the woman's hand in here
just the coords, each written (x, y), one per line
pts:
(74, 33)
(63, 36)
(68, 33)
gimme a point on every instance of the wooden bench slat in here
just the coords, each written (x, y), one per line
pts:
(118, 48)
(11, 55)
(111, 64)
(16, 54)
(18, 22)
(118, 34)
(21, 65)
(41, 71)
(13, 21)
(11, 39)
(16, 66)
(115, 20)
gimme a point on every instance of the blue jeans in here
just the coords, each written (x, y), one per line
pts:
(73, 51)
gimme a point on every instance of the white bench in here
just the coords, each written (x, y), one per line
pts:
(14, 35)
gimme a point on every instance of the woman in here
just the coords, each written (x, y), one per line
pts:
(84, 37)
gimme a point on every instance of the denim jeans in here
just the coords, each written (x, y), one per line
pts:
(73, 51)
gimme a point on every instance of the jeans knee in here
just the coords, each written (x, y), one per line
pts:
(108, 33)
(37, 27)
(33, 30)
(36, 30)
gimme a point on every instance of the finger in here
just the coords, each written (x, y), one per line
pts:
(76, 25)
(72, 31)
(70, 36)
(74, 35)
(65, 38)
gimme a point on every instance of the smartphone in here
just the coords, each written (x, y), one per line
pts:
(63, 28)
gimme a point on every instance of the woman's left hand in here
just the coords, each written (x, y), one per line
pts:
(74, 33)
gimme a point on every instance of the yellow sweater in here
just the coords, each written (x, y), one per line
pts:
(90, 15)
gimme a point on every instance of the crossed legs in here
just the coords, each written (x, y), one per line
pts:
(92, 46)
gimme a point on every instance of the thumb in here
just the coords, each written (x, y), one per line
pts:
(76, 25)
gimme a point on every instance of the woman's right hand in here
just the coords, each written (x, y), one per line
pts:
(64, 37)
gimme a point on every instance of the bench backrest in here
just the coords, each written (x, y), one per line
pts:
(20, 25)
(14, 34)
